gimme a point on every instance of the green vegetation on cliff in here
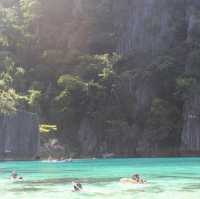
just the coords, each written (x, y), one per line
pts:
(59, 59)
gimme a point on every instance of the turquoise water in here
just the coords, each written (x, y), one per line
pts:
(167, 177)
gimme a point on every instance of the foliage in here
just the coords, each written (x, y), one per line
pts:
(61, 63)
(7, 101)
(185, 84)
(164, 123)
(34, 99)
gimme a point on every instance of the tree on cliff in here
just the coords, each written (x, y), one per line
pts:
(58, 58)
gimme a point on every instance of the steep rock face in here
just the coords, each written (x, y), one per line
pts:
(191, 129)
(150, 25)
(87, 137)
(155, 26)
(19, 136)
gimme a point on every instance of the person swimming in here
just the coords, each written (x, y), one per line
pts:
(135, 179)
(77, 186)
(15, 176)
(138, 179)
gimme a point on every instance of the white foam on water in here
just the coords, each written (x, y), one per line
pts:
(100, 179)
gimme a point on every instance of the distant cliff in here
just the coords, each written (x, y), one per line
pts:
(146, 31)
(115, 76)
(19, 136)
(156, 26)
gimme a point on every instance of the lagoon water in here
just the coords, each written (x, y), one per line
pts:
(177, 178)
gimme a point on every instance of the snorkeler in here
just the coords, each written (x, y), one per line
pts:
(77, 186)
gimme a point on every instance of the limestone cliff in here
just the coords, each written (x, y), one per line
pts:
(155, 26)
(19, 136)
(191, 129)
(149, 27)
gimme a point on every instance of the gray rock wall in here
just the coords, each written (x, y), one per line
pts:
(191, 128)
(87, 137)
(157, 25)
(191, 116)
(150, 26)
(19, 136)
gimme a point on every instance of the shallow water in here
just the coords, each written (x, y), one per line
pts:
(167, 177)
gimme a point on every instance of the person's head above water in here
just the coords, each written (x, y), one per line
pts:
(77, 186)
(136, 177)
(14, 174)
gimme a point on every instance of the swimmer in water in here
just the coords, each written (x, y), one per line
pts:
(15, 176)
(138, 179)
(135, 179)
(77, 186)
